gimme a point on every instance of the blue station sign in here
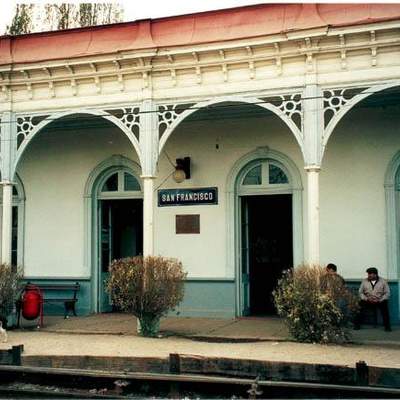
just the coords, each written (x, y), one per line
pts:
(187, 197)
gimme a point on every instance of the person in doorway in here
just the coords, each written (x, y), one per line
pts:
(331, 270)
(374, 293)
(331, 280)
(333, 284)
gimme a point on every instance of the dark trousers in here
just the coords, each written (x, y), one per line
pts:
(383, 307)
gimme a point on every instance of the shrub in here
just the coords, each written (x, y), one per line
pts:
(9, 287)
(147, 287)
(316, 306)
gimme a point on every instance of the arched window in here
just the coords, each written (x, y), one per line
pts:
(119, 184)
(264, 175)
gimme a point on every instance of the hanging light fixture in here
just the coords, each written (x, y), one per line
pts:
(182, 170)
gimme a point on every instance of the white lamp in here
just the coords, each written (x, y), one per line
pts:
(182, 170)
(179, 175)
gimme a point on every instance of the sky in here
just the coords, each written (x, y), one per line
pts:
(158, 8)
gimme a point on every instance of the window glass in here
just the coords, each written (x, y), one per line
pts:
(111, 184)
(130, 182)
(276, 175)
(14, 191)
(253, 177)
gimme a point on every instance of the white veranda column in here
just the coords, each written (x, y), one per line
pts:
(313, 129)
(148, 215)
(313, 213)
(6, 236)
(8, 148)
(149, 156)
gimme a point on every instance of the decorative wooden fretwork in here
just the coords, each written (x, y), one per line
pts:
(290, 105)
(336, 99)
(130, 117)
(25, 125)
(167, 114)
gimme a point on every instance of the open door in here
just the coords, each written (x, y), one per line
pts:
(105, 253)
(120, 231)
(266, 249)
(245, 257)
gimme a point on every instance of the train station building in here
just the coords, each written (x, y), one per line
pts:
(242, 142)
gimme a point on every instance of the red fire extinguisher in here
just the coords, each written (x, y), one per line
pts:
(32, 303)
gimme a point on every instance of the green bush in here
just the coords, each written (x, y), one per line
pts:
(146, 287)
(9, 288)
(316, 306)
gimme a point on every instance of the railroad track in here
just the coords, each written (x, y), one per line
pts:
(39, 382)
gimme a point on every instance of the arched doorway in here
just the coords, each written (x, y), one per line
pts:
(216, 137)
(360, 163)
(268, 228)
(116, 223)
(392, 196)
(360, 182)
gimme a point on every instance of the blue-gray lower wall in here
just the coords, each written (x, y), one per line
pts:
(214, 298)
(57, 308)
(203, 298)
(208, 298)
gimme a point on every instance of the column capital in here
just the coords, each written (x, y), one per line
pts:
(312, 168)
(148, 177)
(7, 183)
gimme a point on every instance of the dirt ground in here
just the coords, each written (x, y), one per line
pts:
(46, 343)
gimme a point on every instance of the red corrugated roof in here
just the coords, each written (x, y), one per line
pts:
(207, 27)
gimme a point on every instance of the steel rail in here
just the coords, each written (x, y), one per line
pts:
(23, 373)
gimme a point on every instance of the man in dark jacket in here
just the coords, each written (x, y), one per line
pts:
(374, 293)
(331, 270)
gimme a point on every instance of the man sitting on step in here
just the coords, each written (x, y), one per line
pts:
(374, 293)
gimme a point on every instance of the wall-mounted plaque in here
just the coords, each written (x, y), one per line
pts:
(187, 197)
(187, 223)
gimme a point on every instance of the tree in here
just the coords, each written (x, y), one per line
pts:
(66, 15)
(22, 21)
(27, 17)
(87, 15)
(96, 14)
(61, 16)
